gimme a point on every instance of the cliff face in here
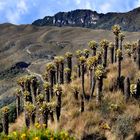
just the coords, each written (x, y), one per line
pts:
(129, 21)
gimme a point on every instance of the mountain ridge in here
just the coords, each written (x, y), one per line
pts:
(129, 21)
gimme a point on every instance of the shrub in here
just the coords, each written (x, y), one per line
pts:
(124, 126)
(37, 134)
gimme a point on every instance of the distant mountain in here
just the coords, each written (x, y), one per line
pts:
(129, 21)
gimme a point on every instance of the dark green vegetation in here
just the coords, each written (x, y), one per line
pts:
(129, 21)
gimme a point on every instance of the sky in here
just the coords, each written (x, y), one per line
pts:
(26, 11)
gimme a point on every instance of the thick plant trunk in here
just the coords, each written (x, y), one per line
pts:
(18, 105)
(51, 83)
(82, 104)
(32, 119)
(116, 46)
(54, 77)
(112, 55)
(119, 68)
(27, 119)
(119, 74)
(47, 95)
(79, 71)
(138, 89)
(51, 116)
(57, 73)
(83, 80)
(105, 57)
(121, 45)
(93, 83)
(34, 87)
(68, 77)
(69, 61)
(45, 118)
(99, 90)
(94, 52)
(135, 56)
(138, 55)
(58, 107)
(90, 77)
(5, 123)
(127, 88)
(58, 111)
(62, 73)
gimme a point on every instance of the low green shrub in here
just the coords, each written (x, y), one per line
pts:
(38, 133)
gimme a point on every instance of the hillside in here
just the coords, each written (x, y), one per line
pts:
(89, 93)
(25, 45)
(129, 21)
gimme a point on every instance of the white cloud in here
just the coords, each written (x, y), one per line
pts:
(2, 5)
(78, 2)
(105, 7)
(88, 5)
(14, 12)
(137, 3)
(22, 6)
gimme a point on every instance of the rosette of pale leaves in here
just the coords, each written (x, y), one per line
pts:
(111, 45)
(116, 29)
(67, 70)
(99, 54)
(5, 109)
(21, 81)
(51, 106)
(128, 52)
(56, 60)
(18, 92)
(127, 46)
(104, 43)
(78, 53)
(121, 36)
(100, 72)
(46, 85)
(45, 75)
(33, 78)
(40, 98)
(119, 54)
(44, 107)
(82, 60)
(26, 94)
(91, 61)
(60, 59)
(134, 46)
(133, 89)
(57, 89)
(92, 44)
(30, 108)
(68, 55)
(50, 66)
(86, 52)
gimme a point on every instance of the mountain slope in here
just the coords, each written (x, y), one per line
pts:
(129, 21)
(35, 46)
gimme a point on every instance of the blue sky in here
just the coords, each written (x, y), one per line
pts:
(26, 11)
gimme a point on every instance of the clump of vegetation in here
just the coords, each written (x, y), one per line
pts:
(124, 126)
(37, 133)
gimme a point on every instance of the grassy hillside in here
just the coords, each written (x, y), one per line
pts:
(36, 46)
(111, 112)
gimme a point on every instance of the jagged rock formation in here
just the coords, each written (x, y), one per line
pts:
(129, 21)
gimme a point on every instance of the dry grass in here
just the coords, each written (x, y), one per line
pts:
(88, 122)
